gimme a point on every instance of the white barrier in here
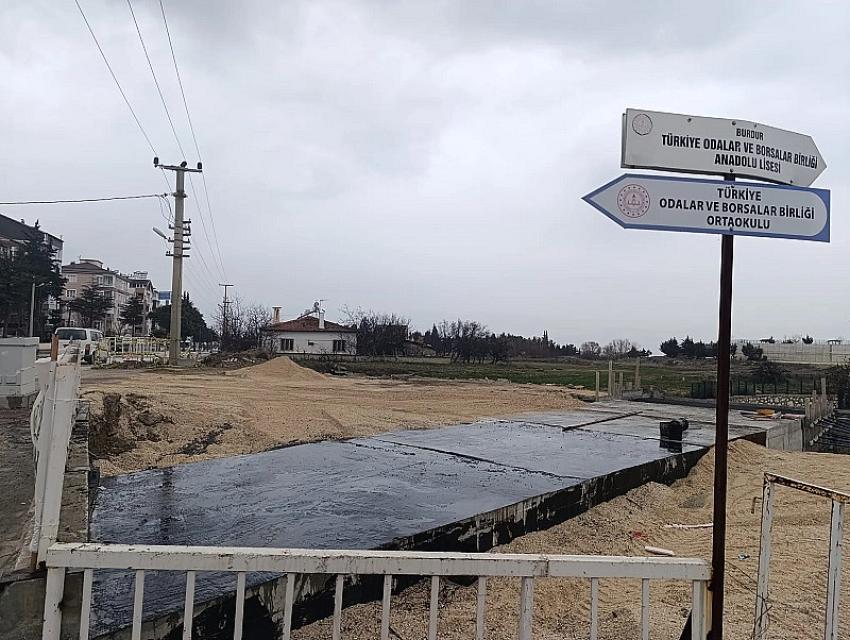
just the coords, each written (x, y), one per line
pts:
(293, 562)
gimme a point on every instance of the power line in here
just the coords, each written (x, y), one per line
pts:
(115, 78)
(204, 226)
(108, 199)
(179, 79)
(194, 137)
(155, 81)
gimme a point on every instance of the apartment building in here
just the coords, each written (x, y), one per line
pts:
(88, 272)
(141, 286)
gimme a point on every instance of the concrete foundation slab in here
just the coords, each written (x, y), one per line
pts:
(465, 487)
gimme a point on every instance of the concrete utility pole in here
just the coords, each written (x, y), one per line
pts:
(177, 255)
(224, 304)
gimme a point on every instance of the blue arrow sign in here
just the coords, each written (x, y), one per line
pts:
(695, 205)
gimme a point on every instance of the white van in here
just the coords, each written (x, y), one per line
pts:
(88, 339)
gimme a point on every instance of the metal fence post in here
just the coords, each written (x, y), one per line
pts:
(760, 623)
(833, 584)
(53, 593)
(62, 394)
(526, 607)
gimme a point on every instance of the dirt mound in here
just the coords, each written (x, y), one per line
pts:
(134, 431)
(228, 360)
(118, 423)
(217, 412)
(280, 369)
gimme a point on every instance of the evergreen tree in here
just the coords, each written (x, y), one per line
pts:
(133, 313)
(35, 263)
(91, 304)
(192, 321)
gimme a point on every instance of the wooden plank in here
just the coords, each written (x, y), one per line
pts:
(189, 606)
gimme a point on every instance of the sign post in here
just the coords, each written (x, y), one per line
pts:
(697, 205)
(721, 437)
(730, 148)
(695, 144)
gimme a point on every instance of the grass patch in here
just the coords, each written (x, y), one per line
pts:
(674, 377)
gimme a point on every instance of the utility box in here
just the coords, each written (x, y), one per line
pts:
(17, 367)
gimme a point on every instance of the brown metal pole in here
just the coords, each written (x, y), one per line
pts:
(721, 438)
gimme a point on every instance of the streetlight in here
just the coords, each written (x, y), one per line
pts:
(160, 234)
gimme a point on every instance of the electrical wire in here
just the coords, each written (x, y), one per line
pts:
(194, 137)
(204, 227)
(108, 199)
(115, 78)
(155, 81)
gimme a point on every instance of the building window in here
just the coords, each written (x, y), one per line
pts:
(339, 346)
(287, 344)
(72, 278)
(70, 293)
(105, 280)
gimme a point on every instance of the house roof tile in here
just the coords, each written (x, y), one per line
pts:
(309, 324)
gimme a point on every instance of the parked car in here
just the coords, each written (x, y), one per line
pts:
(88, 339)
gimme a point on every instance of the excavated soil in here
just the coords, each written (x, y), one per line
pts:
(143, 419)
(624, 526)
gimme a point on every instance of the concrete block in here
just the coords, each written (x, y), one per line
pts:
(17, 366)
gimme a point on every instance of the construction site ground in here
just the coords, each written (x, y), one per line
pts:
(625, 526)
(156, 418)
(167, 417)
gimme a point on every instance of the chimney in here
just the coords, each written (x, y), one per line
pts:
(321, 318)
(276, 314)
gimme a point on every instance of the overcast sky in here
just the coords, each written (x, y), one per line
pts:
(427, 158)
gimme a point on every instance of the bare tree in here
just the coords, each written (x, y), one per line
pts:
(378, 334)
(257, 318)
(617, 348)
(590, 350)
(241, 326)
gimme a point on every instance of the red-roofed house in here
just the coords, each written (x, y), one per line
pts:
(310, 334)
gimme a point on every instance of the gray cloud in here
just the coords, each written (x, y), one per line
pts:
(429, 157)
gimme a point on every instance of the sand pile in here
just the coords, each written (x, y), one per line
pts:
(280, 369)
(213, 413)
(624, 526)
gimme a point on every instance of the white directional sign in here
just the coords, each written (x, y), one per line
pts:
(714, 206)
(694, 144)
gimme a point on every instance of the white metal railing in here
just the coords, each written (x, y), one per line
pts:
(119, 348)
(51, 422)
(833, 585)
(292, 562)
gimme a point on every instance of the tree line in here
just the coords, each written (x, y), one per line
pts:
(29, 276)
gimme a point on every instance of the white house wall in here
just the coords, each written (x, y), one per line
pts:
(315, 341)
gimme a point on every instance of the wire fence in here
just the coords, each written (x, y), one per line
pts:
(748, 386)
